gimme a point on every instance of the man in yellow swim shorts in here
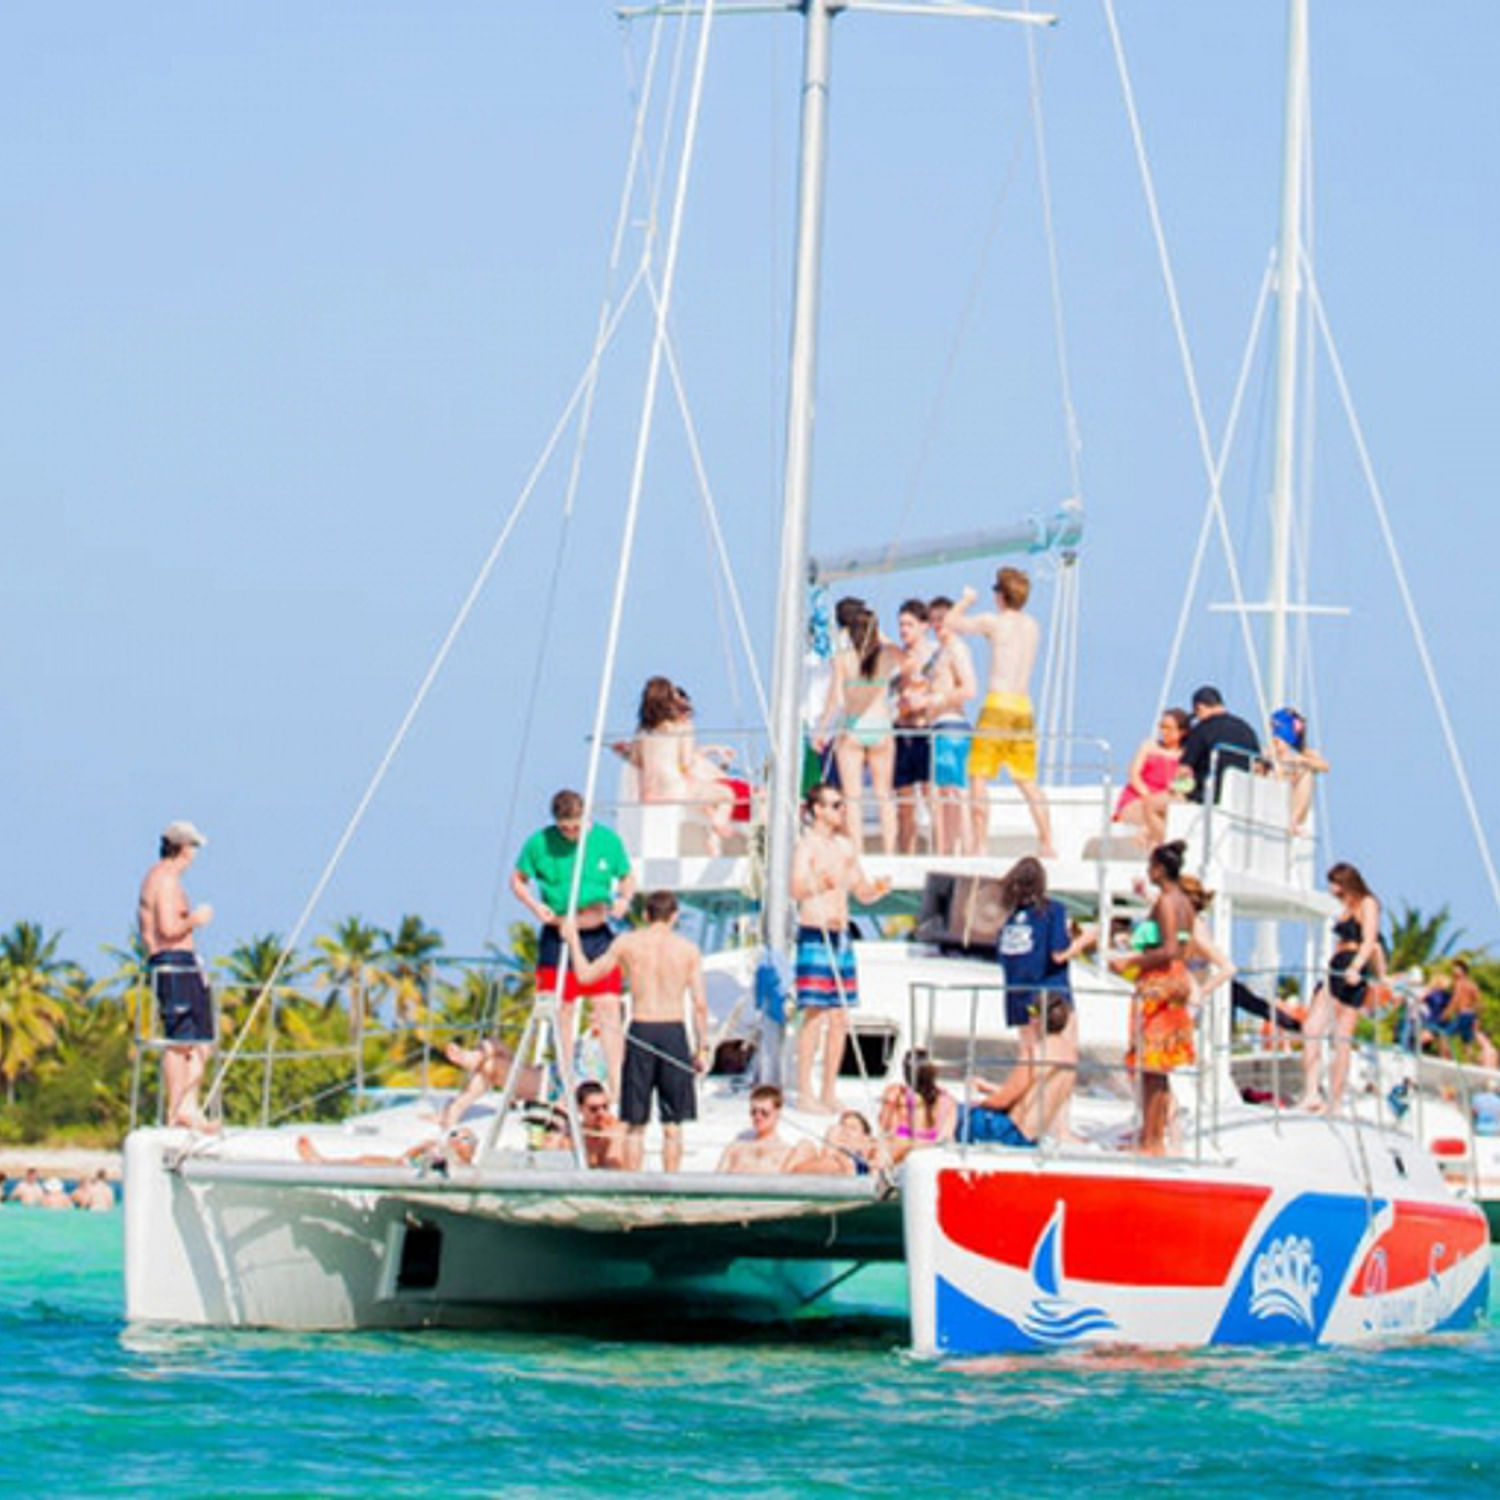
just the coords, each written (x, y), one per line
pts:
(1005, 737)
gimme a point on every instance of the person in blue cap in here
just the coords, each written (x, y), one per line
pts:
(1295, 761)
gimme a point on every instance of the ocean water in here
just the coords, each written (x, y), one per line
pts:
(89, 1406)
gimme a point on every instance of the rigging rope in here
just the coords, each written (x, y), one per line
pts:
(1190, 377)
(1231, 427)
(439, 659)
(616, 252)
(1403, 587)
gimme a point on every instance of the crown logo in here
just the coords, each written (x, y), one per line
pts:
(1285, 1281)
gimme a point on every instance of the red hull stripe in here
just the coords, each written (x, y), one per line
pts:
(1133, 1232)
(1425, 1238)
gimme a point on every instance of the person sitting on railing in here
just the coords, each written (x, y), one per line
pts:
(1031, 1099)
(1294, 760)
(848, 1149)
(672, 768)
(1217, 741)
(1155, 779)
(918, 1112)
(488, 1064)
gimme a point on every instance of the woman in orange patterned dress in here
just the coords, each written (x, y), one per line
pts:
(1162, 1018)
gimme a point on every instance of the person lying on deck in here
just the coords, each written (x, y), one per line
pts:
(438, 1154)
(848, 1149)
(1023, 1108)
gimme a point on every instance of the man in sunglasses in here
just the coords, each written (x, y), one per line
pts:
(761, 1149)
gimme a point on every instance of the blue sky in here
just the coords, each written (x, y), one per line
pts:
(292, 295)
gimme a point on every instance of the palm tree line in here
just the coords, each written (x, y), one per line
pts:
(363, 1007)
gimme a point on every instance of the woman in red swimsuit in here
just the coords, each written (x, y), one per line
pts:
(1148, 782)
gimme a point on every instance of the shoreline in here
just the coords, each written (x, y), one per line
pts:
(64, 1161)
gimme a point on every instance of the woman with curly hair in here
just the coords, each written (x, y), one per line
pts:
(1161, 1016)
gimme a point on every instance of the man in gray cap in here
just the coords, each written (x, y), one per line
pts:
(168, 923)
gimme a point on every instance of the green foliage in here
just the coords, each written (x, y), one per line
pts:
(1418, 941)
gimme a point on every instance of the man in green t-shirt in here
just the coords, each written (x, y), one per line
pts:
(543, 883)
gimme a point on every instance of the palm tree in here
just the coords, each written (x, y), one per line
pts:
(129, 981)
(1418, 941)
(349, 959)
(408, 951)
(249, 970)
(35, 986)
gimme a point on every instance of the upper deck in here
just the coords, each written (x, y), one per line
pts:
(1240, 845)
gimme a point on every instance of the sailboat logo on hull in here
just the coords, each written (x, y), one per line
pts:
(1053, 1318)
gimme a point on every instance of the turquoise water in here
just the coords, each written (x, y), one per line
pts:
(87, 1405)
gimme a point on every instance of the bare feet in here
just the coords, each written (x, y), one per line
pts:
(197, 1122)
(306, 1150)
(467, 1058)
(816, 1106)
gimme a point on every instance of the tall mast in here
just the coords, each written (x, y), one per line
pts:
(791, 600)
(1289, 292)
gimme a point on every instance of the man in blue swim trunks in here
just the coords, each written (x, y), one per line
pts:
(1030, 1102)
(167, 924)
(825, 872)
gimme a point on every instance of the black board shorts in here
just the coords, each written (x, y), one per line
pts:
(658, 1058)
(182, 996)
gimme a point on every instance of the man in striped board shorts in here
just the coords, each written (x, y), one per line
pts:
(825, 872)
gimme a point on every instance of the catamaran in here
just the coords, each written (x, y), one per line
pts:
(1262, 1225)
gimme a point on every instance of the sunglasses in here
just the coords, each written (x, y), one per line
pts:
(760, 1111)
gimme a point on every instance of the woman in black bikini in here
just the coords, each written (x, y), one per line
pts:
(1357, 954)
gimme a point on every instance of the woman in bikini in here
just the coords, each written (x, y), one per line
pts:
(672, 768)
(1357, 954)
(1161, 1019)
(859, 700)
(919, 1112)
(1148, 783)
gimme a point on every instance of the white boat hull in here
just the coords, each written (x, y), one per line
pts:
(280, 1245)
(1277, 1241)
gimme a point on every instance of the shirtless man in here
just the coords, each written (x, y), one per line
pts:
(953, 687)
(605, 1144)
(1023, 1108)
(825, 872)
(1006, 737)
(662, 969)
(761, 1150)
(187, 1015)
(913, 686)
(28, 1191)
